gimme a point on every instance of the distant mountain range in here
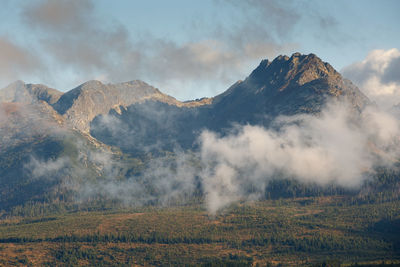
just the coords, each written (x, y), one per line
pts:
(128, 120)
(285, 86)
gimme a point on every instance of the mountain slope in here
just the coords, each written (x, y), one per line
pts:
(40, 155)
(20, 122)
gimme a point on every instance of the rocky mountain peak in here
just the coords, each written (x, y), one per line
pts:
(285, 86)
(298, 69)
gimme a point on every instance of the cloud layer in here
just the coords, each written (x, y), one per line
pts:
(71, 42)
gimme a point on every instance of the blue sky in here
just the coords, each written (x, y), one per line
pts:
(188, 49)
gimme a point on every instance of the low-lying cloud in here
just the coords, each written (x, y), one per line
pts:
(165, 181)
(335, 147)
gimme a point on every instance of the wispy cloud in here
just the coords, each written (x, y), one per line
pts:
(75, 37)
(71, 37)
(332, 148)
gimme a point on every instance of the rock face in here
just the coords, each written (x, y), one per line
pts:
(82, 104)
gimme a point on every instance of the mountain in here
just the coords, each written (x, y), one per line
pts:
(39, 152)
(285, 86)
(53, 143)
(46, 152)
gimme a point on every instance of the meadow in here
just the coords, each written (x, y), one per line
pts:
(309, 231)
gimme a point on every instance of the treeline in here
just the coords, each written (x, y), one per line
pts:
(72, 256)
(280, 242)
(291, 188)
(381, 186)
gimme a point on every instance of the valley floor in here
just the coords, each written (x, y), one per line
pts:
(289, 232)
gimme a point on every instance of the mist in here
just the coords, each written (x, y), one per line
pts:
(164, 181)
(338, 146)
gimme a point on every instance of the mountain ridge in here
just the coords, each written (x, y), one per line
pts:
(283, 86)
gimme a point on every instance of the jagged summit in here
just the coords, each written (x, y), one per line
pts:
(285, 86)
(298, 69)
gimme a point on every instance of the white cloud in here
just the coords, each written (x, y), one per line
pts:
(378, 76)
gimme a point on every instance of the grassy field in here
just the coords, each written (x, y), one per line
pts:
(290, 232)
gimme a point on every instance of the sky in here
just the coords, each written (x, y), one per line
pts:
(192, 49)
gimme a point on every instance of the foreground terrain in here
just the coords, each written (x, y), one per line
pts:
(286, 232)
